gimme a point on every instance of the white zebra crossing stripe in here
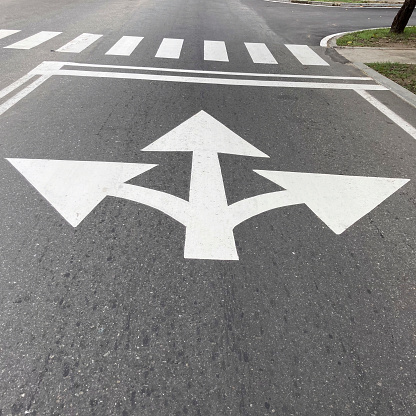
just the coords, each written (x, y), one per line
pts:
(215, 51)
(80, 43)
(306, 56)
(5, 32)
(170, 48)
(125, 46)
(34, 40)
(260, 53)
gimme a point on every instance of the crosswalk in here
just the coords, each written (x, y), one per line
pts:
(125, 46)
(34, 40)
(80, 43)
(169, 48)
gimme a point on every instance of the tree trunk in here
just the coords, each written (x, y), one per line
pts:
(403, 16)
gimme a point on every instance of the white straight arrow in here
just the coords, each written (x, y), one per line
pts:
(208, 232)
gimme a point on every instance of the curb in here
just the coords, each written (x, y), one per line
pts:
(401, 92)
(374, 5)
(330, 40)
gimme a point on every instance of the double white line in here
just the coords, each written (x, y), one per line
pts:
(47, 69)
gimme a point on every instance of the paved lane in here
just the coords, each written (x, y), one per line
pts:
(125, 289)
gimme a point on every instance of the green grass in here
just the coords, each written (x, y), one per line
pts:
(379, 37)
(402, 74)
(345, 1)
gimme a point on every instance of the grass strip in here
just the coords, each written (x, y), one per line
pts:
(380, 38)
(345, 1)
(402, 74)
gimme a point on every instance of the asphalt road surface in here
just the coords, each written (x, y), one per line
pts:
(203, 212)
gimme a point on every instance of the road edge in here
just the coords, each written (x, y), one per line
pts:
(340, 4)
(330, 42)
(396, 89)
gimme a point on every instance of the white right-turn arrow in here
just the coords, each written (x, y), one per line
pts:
(338, 200)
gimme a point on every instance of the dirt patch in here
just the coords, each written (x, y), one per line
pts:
(392, 43)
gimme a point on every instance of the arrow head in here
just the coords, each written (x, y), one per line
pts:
(339, 201)
(203, 133)
(75, 188)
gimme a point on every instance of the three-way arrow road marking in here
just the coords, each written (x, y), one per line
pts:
(75, 188)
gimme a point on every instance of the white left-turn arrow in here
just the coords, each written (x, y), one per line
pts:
(75, 188)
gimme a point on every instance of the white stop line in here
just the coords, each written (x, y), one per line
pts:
(48, 69)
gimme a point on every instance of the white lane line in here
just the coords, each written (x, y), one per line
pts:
(220, 81)
(253, 74)
(125, 46)
(22, 94)
(80, 43)
(215, 51)
(170, 48)
(16, 84)
(49, 68)
(5, 32)
(408, 128)
(306, 56)
(34, 40)
(192, 71)
(260, 53)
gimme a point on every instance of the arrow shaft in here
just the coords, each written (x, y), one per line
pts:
(206, 192)
(208, 234)
(171, 205)
(210, 238)
(247, 208)
(209, 221)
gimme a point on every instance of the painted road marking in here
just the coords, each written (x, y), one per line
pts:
(220, 81)
(306, 56)
(9, 89)
(207, 232)
(408, 128)
(80, 43)
(34, 40)
(338, 200)
(215, 51)
(260, 53)
(192, 71)
(75, 188)
(50, 68)
(89, 181)
(125, 46)
(23, 93)
(170, 48)
(4, 33)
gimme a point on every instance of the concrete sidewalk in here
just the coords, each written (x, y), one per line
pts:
(335, 3)
(371, 54)
(360, 54)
